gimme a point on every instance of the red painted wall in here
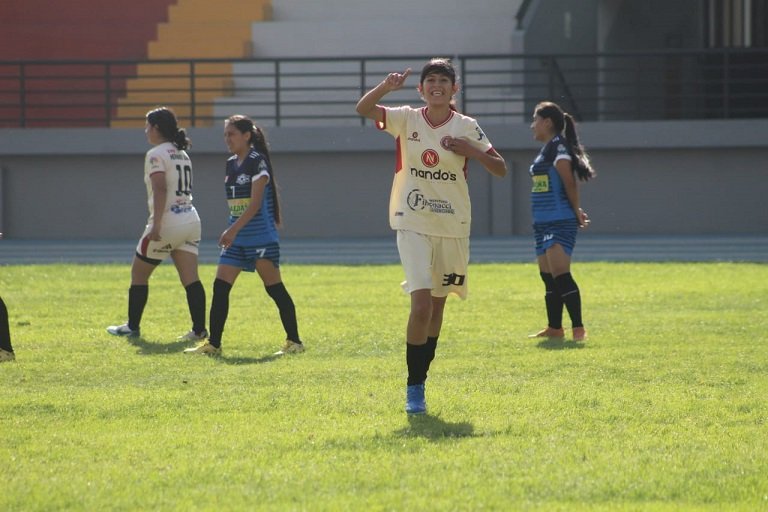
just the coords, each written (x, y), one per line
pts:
(88, 30)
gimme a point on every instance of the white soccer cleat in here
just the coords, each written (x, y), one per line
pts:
(193, 336)
(123, 330)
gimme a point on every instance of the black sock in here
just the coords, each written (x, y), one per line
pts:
(219, 311)
(5, 331)
(432, 347)
(416, 358)
(553, 301)
(287, 310)
(137, 299)
(569, 291)
(196, 303)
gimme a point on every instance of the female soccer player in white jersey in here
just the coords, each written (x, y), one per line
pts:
(250, 242)
(557, 215)
(173, 228)
(429, 203)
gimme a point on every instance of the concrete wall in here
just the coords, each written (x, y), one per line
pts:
(654, 24)
(663, 87)
(310, 28)
(702, 177)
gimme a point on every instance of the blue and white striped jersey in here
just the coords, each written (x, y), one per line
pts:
(549, 201)
(261, 229)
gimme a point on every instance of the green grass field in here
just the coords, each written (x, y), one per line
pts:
(665, 407)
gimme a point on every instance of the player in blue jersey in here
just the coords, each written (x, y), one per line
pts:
(250, 242)
(557, 214)
(429, 205)
(173, 226)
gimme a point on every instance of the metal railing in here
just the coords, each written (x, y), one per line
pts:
(702, 84)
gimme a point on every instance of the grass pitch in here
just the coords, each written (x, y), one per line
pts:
(663, 408)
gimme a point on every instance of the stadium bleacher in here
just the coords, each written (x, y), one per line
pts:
(34, 31)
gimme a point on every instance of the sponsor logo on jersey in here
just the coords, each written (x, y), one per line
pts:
(480, 134)
(414, 137)
(436, 175)
(238, 206)
(181, 208)
(540, 183)
(417, 201)
(430, 158)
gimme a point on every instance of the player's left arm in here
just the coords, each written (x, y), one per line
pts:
(565, 170)
(492, 161)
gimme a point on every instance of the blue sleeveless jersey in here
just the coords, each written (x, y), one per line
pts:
(548, 199)
(261, 229)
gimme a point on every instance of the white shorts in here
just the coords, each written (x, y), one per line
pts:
(183, 237)
(434, 263)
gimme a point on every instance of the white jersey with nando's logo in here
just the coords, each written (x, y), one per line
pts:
(175, 164)
(429, 191)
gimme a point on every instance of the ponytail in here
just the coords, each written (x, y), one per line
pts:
(165, 121)
(581, 164)
(180, 139)
(259, 142)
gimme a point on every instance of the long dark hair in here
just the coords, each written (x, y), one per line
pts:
(563, 123)
(168, 126)
(245, 124)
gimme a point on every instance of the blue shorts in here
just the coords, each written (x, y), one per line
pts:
(245, 257)
(562, 232)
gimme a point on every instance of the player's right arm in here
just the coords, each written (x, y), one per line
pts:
(368, 106)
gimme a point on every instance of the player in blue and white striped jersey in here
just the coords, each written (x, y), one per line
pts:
(557, 215)
(250, 242)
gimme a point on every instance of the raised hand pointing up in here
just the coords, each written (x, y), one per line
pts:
(395, 81)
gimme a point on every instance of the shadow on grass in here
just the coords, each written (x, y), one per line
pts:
(559, 344)
(435, 429)
(249, 360)
(154, 348)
